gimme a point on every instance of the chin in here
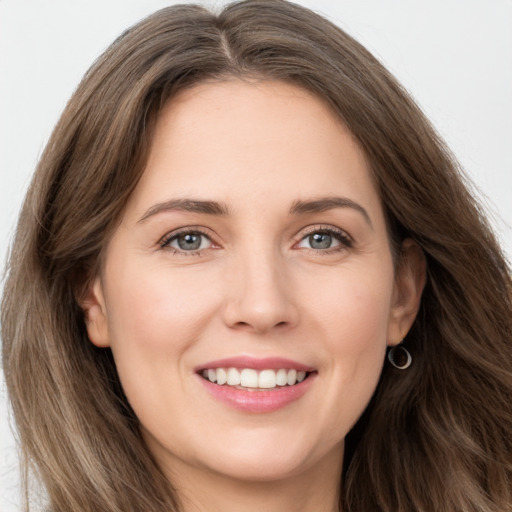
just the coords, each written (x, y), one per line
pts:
(269, 459)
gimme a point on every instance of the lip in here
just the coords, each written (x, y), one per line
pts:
(257, 402)
(266, 363)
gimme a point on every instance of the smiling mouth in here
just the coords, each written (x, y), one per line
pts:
(253, 380)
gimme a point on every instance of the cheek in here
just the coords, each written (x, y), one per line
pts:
(153, 306)
(352, 317)
(354, 308)
(357, 341)
(155, 317)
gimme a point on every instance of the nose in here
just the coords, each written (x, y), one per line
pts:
(261, 295)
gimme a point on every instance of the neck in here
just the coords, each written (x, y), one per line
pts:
(317, 489)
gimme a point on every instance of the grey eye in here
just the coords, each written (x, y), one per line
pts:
(189, 241)
(324, 239)
(320, 240)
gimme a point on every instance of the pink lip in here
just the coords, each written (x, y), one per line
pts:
(267, 363)
(258, 401)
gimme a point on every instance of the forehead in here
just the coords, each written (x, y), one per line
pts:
(242, 142)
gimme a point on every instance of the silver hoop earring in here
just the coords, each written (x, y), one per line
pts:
(399, 357)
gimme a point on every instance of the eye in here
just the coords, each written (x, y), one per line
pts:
(325, 239)
(187, 241)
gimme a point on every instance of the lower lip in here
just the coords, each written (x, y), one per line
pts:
(258, 401)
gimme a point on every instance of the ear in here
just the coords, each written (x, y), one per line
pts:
(410, 277)
(95, 313)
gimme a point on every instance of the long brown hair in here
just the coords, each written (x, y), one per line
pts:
(437, 437)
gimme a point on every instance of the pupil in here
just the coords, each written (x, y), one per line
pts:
(320, 240)
(189, 241)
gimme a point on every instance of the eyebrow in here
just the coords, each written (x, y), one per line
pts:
(187, 205)
(220, 209)
(328, 203)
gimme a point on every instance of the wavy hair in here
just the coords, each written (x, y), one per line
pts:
(436, 437)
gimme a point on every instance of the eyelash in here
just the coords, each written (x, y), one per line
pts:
(167, 239)
(345, 241)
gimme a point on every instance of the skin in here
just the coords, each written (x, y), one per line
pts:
(258, 286)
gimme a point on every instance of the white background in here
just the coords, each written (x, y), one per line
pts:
(455, 56)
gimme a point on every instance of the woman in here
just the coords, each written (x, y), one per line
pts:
(235, 218)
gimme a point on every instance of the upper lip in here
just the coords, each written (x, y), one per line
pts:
(266, 363)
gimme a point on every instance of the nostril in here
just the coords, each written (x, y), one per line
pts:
(241, 324)
(260, 327)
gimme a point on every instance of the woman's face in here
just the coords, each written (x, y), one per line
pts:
(253, 249)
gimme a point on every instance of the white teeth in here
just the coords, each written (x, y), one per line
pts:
(292, 377)
(267, 379)
(233, 377)
(250, 378)
(222, 376)
(281, 377)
